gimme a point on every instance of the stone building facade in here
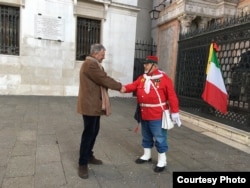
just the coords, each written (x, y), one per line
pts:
(184, 15)
(47, 64)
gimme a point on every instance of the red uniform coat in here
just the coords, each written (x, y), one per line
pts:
(166, 92)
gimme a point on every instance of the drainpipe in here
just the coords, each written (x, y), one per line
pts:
(74, 8)
(106, 6)
(23, 3)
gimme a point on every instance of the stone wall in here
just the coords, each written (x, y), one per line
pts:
(47, 62)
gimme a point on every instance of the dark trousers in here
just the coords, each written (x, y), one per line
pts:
(91, 129)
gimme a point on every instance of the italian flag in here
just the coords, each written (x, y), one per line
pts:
(215, 92)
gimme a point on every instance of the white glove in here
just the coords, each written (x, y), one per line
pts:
(176, 118)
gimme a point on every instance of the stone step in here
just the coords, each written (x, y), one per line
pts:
(222, 132)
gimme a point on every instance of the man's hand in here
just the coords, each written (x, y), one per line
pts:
(123, 89)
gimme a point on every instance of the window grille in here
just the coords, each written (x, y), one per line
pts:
(88, 32)
(9, 30)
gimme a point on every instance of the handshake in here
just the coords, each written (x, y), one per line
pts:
(123, 89)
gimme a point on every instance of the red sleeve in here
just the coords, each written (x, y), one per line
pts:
(171, 96)
(133, 86)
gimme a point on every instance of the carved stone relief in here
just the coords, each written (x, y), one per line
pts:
(200, 11)
(186, 22)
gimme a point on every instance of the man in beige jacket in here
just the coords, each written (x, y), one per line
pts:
(93, 101)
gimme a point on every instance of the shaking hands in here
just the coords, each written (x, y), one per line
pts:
(123, 89)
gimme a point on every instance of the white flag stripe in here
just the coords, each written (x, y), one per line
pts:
(215, 78)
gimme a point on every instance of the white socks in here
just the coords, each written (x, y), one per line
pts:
(162, 160)
(147, 154)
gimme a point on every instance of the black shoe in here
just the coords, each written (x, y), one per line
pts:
(159, 169)
(95, 161)
(83, 171)
(141, 161)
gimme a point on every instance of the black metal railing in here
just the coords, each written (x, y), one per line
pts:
(233, 37)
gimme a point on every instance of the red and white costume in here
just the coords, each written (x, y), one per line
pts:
(148, 98)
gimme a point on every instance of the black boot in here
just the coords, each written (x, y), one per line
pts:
(141, 161)
(159, 169)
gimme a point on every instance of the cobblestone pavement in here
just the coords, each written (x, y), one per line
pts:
(39, 145)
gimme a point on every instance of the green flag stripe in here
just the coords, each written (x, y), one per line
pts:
(214, 59)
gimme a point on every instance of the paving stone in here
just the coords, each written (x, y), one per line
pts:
(24, 148)
(46, 139)
(5, 154)
(2, 173)
(49, 175)
(47, 153)
(20, 182)
(21, 166)
(26, 135)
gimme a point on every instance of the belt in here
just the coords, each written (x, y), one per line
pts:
(152, 105)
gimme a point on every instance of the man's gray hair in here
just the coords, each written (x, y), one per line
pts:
(95, 48)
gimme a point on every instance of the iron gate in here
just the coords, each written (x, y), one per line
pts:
(142, 50)
(233, 38)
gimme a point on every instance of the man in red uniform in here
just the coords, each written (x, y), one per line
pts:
(155, 92)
